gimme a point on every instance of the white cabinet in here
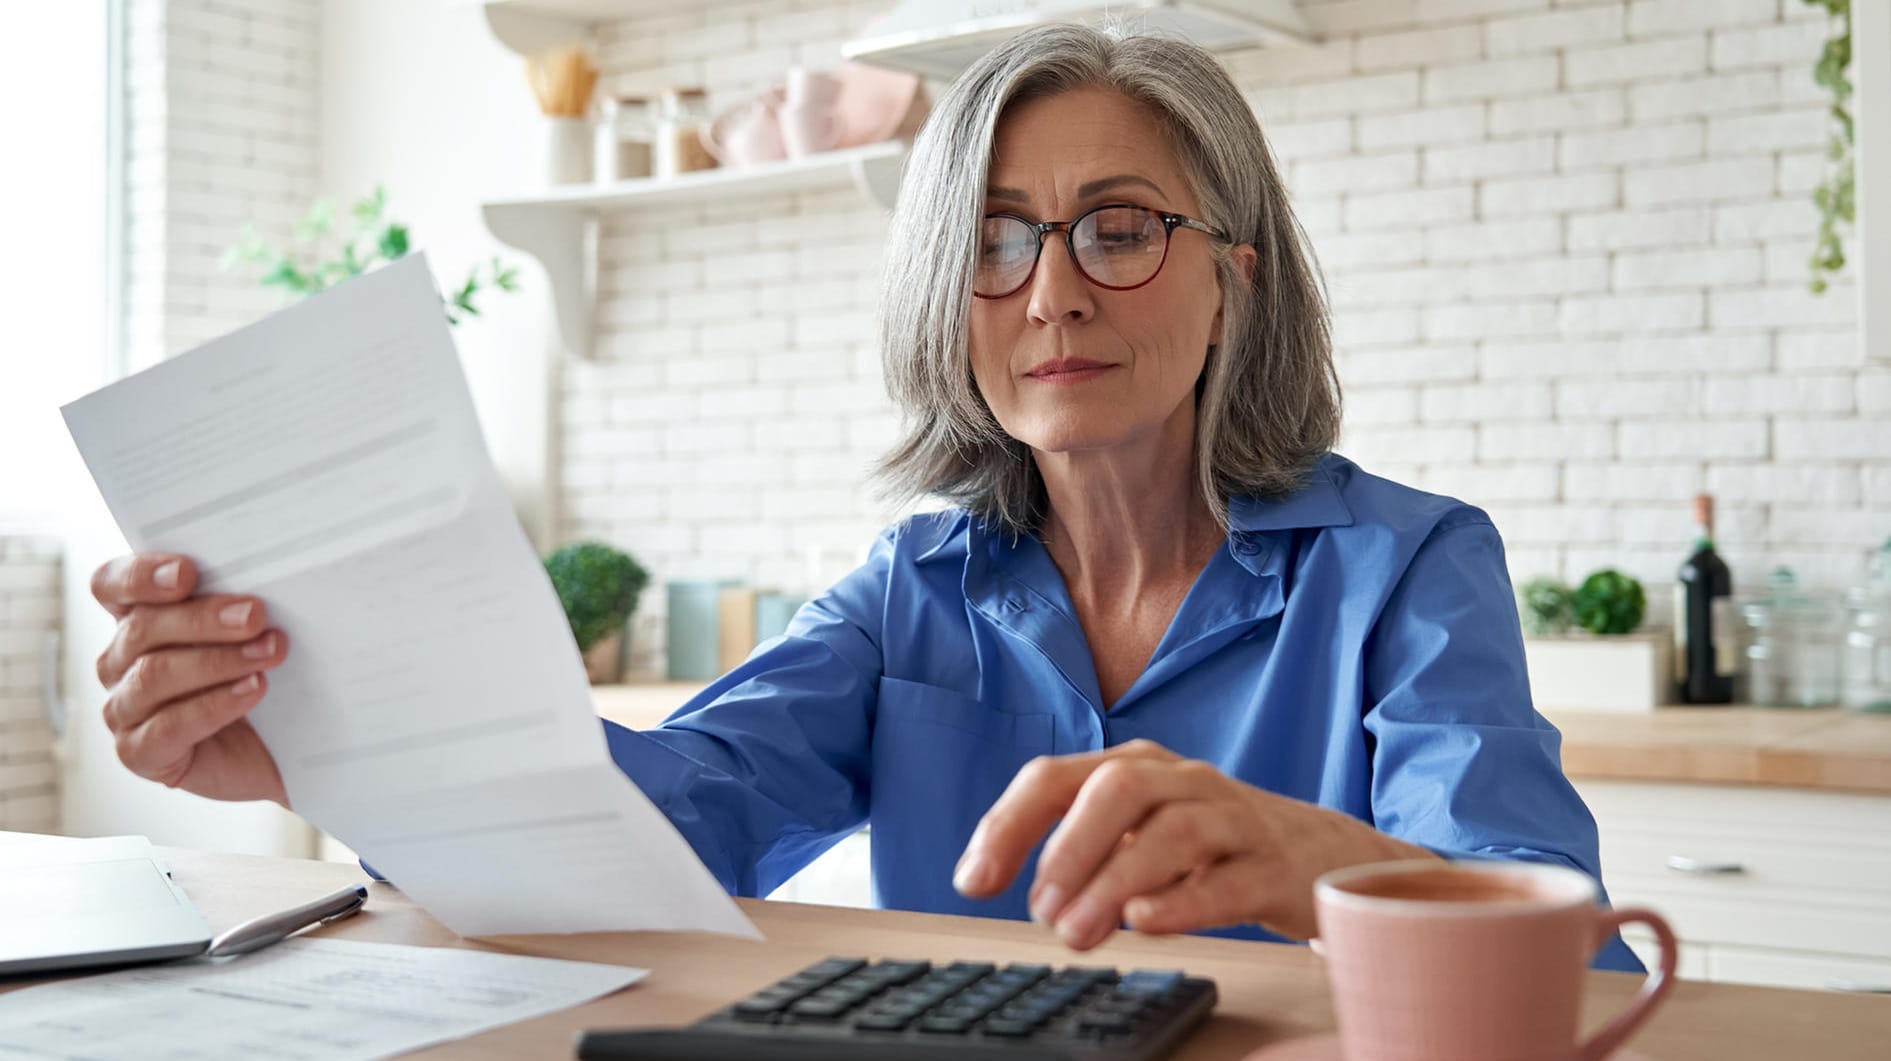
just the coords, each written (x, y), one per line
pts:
(1777, 886)
(842, 876)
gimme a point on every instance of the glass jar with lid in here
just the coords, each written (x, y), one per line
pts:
(624, 133)
(678, 147)
(1793, 645)
(1868, 639)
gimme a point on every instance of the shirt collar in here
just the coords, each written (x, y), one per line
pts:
(1316, 504)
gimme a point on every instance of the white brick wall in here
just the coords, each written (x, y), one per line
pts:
(1630, 319)
(1565, 243)
(29, 610)
(221, 130)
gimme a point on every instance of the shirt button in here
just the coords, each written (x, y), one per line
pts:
(1246, 545)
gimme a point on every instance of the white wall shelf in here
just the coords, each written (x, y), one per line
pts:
(934, 38)
(938, 39)
(529, 26)
(559, 226)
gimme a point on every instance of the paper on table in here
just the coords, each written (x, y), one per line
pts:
(313, 999)
(433, 711)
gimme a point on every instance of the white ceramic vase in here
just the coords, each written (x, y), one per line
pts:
(568, 150)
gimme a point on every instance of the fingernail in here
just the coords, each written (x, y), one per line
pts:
(166, 575)
(970, 875)
(1047, 905)
(235, 614)
(261, 648)
(1078, 926)
(246, 686)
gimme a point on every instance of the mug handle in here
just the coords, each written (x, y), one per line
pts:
(1653, 991)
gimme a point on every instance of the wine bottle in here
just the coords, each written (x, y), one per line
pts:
(1704, 656)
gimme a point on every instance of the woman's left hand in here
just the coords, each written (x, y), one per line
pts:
(1162, 843)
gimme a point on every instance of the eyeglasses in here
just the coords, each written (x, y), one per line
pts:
(1114, 247)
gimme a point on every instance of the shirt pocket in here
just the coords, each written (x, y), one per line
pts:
(903, 703)
(934, 746)
(940, 760)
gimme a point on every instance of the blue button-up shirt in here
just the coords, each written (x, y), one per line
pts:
(1354, 645)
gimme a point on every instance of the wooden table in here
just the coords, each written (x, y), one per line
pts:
(1826, 748)
(1269, 992)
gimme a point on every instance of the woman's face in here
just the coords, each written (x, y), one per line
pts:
(1067, 366)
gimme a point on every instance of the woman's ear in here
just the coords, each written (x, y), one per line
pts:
(1246, 259)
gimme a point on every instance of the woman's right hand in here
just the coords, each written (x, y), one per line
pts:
(181, 675)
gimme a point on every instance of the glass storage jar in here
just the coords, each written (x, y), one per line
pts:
(1793, 645)
(623, 139)
(1868, 639)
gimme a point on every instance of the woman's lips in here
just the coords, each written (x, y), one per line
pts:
(1068, 370)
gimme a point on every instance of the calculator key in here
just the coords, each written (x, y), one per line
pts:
(971, 968)
(1022, 1015)
(1009, 1029)
(1106, 1022)
(819, 1008)
(884, 1022)
(940, 1025)
(835, 968)
(1149, 982)
(761, 1014)
(900, 972)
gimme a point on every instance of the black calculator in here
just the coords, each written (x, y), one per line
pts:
(846, 1008)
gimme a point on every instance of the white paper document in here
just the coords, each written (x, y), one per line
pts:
(433, 711)
(311, 1000)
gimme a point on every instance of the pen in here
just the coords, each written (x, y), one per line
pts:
(260, 932)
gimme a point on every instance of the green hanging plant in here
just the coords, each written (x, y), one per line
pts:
(372, 239)
(1835, 196)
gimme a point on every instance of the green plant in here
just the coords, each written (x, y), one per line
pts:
(1544, 605)
(598, 587)
(1609, 602)
(371, 239)
(1835, 195)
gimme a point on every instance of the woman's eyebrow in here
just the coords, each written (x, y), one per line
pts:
(1085, 191)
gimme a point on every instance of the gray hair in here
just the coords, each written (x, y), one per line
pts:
(1268, 402)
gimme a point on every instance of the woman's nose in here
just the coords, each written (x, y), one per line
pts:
(1059, 293)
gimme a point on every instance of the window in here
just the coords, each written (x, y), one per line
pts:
(57, 196)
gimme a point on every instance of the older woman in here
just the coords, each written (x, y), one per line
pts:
(1165, 633)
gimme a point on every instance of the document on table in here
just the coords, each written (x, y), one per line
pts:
(314, 1000)
(433, 712)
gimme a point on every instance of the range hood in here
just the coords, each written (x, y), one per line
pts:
(939, 38)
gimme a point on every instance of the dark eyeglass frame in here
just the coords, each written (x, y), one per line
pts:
(1170, 222)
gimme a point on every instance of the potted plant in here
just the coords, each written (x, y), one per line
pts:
(598, 585)
(1602, 663)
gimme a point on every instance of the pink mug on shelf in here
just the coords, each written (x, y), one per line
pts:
(810, 118)
(1472, 961)
(747, 133)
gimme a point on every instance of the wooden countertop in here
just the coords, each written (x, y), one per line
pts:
(1269, 991)
(1823, 748)
(1826, 748)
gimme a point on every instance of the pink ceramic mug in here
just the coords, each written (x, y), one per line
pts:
(1472, 961)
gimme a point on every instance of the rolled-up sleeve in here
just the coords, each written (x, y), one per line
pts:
(1462, 763)
(769, 766)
